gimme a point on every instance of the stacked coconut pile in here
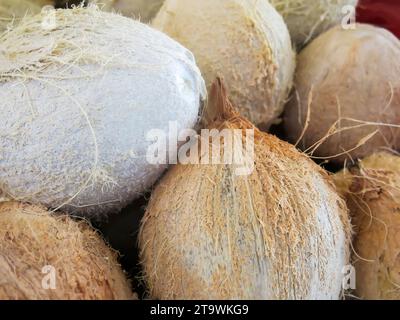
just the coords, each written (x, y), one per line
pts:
(88, 97)
(74, 141)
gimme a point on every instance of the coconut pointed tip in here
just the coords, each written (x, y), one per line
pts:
(219, 106)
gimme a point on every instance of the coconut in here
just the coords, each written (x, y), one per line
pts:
(12, 11)
(43, 256)
(306, 19)
(280, 232)
(145, 10)
(347, 99)
(245, 42)
(372, 191)
(78, 103)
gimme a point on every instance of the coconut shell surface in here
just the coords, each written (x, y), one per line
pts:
(346, 102)
(34, 243)
(279, 233)
(372, 192)
(245, 42)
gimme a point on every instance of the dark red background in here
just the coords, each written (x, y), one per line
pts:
(382, 13)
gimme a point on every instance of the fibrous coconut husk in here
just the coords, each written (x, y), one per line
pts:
(78, 100)
(372, 192)
(245, 42)
(306, 19)
(346, 102)
(33, 242)
(279, 233)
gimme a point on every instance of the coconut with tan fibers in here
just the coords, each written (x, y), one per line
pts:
(346, 102)
(45, 256)
(244, 41)
(372, 192)
(281, 232)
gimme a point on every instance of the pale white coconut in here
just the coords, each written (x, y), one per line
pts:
(77, 103)
(306, 19)
(347, 99)
(144, 10)
(244, 41)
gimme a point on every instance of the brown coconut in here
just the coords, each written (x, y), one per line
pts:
(31, 240)
(372, 191)
(279, 233)
(346, 102)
